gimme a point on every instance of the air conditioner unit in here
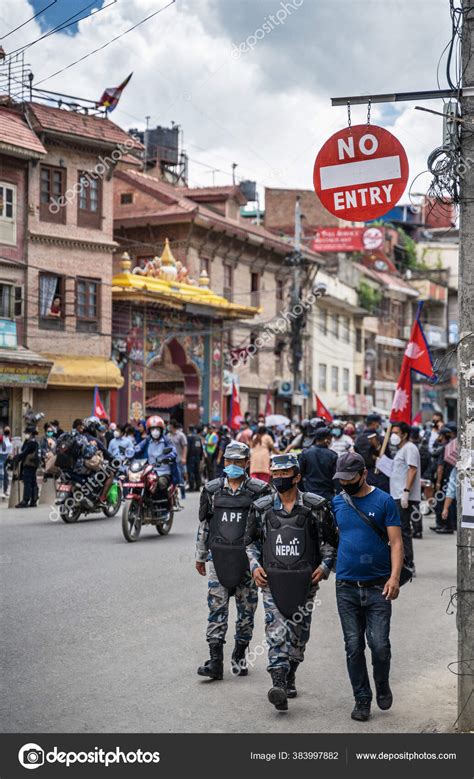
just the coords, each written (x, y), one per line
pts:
(285, 389)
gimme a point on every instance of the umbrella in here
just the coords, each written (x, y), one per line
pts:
(273, 420)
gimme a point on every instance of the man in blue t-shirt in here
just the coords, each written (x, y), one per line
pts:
(367, 579)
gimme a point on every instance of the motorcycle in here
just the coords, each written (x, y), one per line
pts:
(144, 503)
(74, 498)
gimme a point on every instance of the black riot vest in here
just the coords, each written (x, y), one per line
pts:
(290, 555)
(226, 536)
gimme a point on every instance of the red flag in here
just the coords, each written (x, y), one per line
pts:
(321, 410)
(235, 416)
(417, 419)
(417, 358)
(98, 409)
(268, 403)
(112, 95)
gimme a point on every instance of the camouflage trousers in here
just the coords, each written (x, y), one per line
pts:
(286, 638)
(246, 599)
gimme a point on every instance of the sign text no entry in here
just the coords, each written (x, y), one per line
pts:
(360, 173)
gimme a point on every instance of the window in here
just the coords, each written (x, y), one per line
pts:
(335, 325)
(358, 339)
(7, 213)
(323, 321)
(52, 189)
(253, 358)
(335, 378)
(126, 198)
(205, 265)
(87, 304)
(358, 385)
(228, 282)
(346, 329)
(252, 406)
(322, 376)
(345, 379)
(51, 301)
(6, 301)
(89, 201)
(254, 289)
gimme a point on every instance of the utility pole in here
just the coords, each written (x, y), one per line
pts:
(465, 581)
(297, 322)
(146, 143)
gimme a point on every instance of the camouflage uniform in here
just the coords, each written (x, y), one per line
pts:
(287, 639)
(246, 594)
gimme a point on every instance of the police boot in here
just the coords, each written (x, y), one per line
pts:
(291, 691)
(277, 693)
(213, 668)
(239, 663)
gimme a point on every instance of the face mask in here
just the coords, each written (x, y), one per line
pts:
(395, 439)
(116, 434)
(337, 432)
(50, 433)
(283, 483)
(353, 489)
(156, 433)
(234, 471)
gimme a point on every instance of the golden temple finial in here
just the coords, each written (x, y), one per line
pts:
(125, 262)
(203, 278)
(168, 263)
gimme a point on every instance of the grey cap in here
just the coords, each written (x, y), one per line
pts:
(322, 433)
(236, 451)
(348, 465)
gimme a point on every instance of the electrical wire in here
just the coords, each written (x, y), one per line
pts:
(38, 13)
(108, 43)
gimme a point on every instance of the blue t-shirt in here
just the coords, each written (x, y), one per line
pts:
(361, 554)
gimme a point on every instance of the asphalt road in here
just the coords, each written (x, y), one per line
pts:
(98, 635)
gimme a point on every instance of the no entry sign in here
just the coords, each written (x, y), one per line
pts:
(360, 173)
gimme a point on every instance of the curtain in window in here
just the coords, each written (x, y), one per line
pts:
(5, 298)
(48, 286)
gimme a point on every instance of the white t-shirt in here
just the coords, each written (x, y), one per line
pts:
(407, 455)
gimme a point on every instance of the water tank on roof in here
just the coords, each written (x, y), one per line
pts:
(249, 190)
(163, 144)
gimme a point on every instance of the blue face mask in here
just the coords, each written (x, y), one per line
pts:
(337, 432)
(234, 471)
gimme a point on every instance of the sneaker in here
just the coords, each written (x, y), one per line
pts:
(361, 711)
(384, 696)
(443, 531)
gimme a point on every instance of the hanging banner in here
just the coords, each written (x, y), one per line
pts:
(347, 239)
(360, 173)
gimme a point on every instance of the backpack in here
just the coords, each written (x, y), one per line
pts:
(67, 451)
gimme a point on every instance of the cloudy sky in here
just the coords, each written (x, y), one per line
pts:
(249, 81)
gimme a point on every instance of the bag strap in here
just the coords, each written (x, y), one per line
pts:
(368, 521)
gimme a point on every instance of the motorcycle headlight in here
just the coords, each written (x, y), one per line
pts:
(137, 466)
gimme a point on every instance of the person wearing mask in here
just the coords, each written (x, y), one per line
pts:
(7, 448)
(109, 433)
(340, 441)
(223, 510)
(57, 428)
(211, 442)
(367, 579)
(180, 444)
(129, 435)
(437, 423)
(350, 430)
(194, 458)
(291, 543)
(368, 444)
(118, 444)
(405, 484)
(224, 440)
(93, 428)
(442, 470)
(318, 465)
(29, 461)
(261, 446)
(151, 449)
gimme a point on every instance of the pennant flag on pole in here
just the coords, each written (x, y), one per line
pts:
(417, 419)
(417, 358)
(98, 409)
(235, 416)
(268, 403)
(112, 95)
(321, 410)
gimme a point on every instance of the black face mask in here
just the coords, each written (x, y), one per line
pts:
(353, 489)
(283, 483)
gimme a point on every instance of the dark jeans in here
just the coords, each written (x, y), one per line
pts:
(451, 523)
(407, 533)
(364, 613)
(194, 475)
(30, 485)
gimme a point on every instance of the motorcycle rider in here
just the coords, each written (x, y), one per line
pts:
(151, 449)
(223, 510)
(291, 545)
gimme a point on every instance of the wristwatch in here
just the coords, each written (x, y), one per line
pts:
(406, 490)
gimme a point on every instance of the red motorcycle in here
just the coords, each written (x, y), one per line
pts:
(145, 503)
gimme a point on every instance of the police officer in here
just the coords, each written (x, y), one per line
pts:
(223, 511)
(291, 539)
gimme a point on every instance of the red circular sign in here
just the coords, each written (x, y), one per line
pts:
(360, 173)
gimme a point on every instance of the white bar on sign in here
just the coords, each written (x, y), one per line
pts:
(365, 172)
